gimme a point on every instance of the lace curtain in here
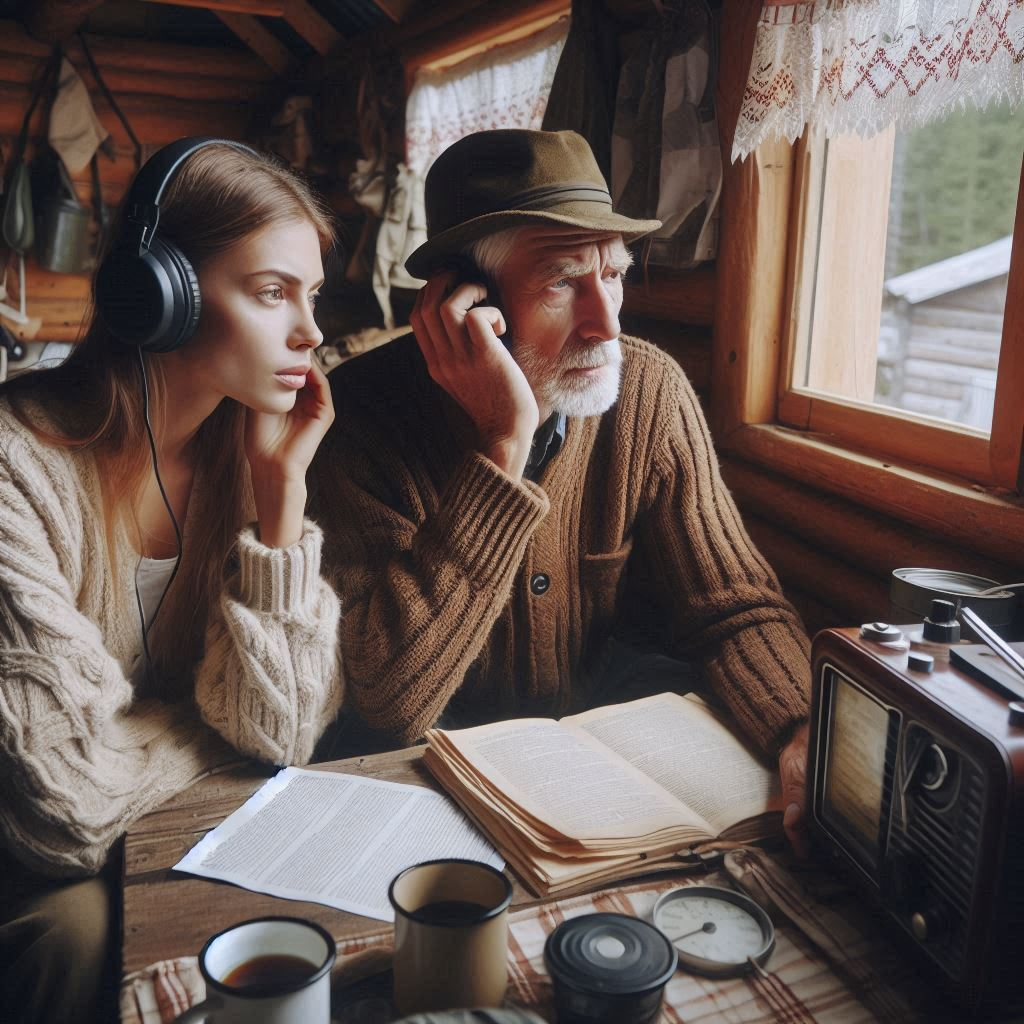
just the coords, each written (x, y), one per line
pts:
(505, 87)
(861, 65)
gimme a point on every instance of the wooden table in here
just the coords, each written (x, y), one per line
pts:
(168, 914)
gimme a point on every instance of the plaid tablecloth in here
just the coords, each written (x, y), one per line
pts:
(830, 964)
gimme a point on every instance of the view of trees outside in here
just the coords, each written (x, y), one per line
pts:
(954, 186)
(951, 214)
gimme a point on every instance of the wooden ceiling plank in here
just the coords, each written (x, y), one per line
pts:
(258, 39)
(312, 26)
(264, 8)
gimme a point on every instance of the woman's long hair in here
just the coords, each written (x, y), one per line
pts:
(219, 196)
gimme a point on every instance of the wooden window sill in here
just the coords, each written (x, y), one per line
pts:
(987, 520)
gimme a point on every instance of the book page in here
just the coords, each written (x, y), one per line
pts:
(570, 782)
(682, 745)
(334, 839)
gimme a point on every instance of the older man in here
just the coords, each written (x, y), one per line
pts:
(521, 505)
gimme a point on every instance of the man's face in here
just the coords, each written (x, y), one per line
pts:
(561, 291)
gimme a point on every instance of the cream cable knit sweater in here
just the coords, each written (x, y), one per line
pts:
(80, 755)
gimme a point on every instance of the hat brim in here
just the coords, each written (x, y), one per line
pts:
(430, 256)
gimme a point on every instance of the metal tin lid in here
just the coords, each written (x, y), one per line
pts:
(610, 954)
(946, 581)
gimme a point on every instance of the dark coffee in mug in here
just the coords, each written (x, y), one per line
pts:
(451, 912)
(270, 973)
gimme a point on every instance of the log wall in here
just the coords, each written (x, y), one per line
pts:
(165, 91)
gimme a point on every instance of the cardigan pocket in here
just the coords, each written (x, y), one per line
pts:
(602, 577)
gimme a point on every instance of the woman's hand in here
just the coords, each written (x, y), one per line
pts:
(280, 447)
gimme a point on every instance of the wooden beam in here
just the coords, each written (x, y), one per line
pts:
(397, 10)
(259, 40)
(52, 21)
(478, 24)
(263, 8)
(751, 283)
(312, 26)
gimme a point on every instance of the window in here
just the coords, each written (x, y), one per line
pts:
(901, 338)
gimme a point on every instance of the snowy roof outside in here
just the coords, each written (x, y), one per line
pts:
(981, 264)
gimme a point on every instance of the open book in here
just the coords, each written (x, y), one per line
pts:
(607, 794)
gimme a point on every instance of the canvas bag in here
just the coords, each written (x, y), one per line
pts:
(666, 155)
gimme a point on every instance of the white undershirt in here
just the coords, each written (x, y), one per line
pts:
(151, 576)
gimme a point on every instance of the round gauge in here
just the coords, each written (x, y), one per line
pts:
(717, 932)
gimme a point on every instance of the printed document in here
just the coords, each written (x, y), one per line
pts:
(334, 839)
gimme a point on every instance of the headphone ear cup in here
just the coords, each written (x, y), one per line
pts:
(150, 300)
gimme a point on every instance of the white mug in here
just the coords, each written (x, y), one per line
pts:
(254, 974)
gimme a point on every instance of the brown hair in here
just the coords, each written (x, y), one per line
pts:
(219, 196)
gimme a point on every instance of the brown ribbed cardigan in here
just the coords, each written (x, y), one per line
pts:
(432, 549)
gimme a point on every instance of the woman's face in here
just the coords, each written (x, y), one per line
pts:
(256, 332)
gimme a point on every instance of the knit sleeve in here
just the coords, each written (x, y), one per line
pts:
(728, 608)
(422, 593)
(270, 680)
(80, 758)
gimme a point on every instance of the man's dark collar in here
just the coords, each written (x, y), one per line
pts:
(547, 442)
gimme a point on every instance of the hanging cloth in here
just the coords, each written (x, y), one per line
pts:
(583, 91)
(506, 87)
(75, 131)
(666, 153)
(862, 65)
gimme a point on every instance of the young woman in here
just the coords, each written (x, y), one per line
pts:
(167, 489)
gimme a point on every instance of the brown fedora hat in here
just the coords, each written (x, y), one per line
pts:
(508, 178)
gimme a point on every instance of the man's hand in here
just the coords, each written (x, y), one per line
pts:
(793, 773)
(465, 356)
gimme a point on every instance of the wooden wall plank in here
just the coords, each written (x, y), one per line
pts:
(687, 297)
(690, 346)
(863, 539)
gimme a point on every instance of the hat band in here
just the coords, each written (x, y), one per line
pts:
(531, 199)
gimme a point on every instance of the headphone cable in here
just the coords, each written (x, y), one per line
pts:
(170, 512)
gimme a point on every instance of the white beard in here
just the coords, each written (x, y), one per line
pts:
(574, 397)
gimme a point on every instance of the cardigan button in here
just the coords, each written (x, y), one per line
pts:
(540, 583)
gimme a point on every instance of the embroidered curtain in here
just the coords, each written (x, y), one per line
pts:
(861, 65)
(505, 87)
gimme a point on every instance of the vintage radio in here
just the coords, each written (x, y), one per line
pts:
(916, 788)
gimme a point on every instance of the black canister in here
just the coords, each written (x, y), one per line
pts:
(608, 969)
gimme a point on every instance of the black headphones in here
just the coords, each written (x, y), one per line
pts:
(146, 291)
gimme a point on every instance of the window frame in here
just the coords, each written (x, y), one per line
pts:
(752, 288)
(960, 451)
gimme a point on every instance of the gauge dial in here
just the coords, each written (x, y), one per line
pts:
(716, 931)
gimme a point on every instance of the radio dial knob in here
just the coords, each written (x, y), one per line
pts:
(927, 925)
(880, 632)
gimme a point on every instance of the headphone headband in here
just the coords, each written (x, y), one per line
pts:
(142, 204)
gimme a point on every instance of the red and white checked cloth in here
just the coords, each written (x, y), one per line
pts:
(829, 965)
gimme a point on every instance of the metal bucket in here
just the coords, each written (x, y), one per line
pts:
(62, 242)
(913, 590)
